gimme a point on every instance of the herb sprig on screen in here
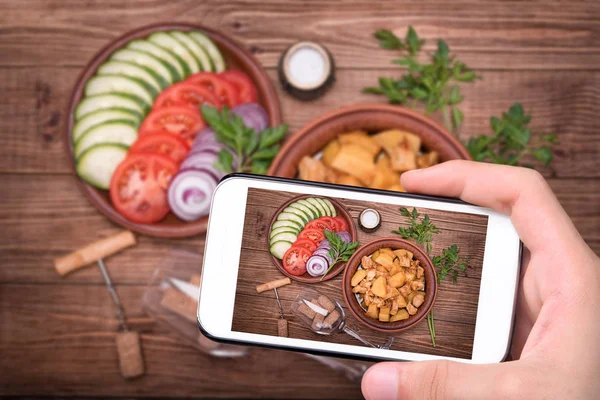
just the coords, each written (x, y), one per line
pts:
(431, 83)
(420, 231)
(253, 152)
(450, 264)
(512, 140)
(339, 250)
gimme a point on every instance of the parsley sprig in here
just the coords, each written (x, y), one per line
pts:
(450, 263)
(253, 152)
(431, 83)
(420, 231)
(512, 140)
(339, 250)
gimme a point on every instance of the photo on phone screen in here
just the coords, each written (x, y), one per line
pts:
(282, 227)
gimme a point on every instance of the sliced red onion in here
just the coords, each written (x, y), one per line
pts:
(324, 244)
(200, 159)
(206, 134)
(213, 172)
(345, 236)
(190, 194)
(323, 253)
(254, 116)
(316, 265)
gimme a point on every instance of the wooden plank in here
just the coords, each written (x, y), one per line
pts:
(539, 36)
(34, 112)
(60, 340)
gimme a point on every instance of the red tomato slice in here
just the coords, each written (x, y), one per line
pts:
(331, 222)
(306, 243)
(294, 260)
(316, 235)
(226, 92)
(138, 188)
(320, 224)
(243, 83)
(162, 143)
(342, 224)
(187, 95)
(181, 121)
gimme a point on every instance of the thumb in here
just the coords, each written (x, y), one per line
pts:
(438, 380)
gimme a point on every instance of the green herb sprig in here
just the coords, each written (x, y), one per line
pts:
(512, 140)
(420, 231)
(450, 263)
(430, 83)
(339, 250)
(254, 153)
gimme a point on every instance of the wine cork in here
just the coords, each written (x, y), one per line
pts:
(282, 327)
(326, 303)
(317, 323)
(129, 350)
(306, 310)
(331, 319)
(179, 303)
(273, 284)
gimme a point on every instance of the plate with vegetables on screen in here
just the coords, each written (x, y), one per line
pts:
(159, 116)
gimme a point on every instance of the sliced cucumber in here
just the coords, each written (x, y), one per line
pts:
(288, 224)
(307, 211)
(317, 205)
(197, 51)
(92, 104)
(171, 60)
(331, 206)
(118, 132)
(134, 71)
(291, 217)
(299, 213)
(283, 229)
(100, 116)
(213, 51)
(324, 205)
(160, 67)
(166, 41)
(98, 163)
(278, 249)
(102, 84)
(310, 206)
(284, 236)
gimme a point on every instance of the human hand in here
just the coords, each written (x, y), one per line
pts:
(556, 341)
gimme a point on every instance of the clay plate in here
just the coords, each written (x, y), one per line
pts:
(338, 268)
(430, 284)
(312, 137)
(235, 56)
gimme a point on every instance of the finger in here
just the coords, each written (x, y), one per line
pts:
(435, 380)
(519, 192)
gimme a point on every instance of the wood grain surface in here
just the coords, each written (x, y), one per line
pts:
(455, 308)
(56, 334)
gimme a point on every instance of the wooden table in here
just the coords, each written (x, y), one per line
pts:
(56, 335)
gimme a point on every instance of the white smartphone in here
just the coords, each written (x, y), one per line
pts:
(264, 229)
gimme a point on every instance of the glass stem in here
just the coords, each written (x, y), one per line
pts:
(358, 337)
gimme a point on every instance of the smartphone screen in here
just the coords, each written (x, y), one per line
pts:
(281, 230)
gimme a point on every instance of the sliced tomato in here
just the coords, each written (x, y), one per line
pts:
(245, 86)
(307, 243)
(138, 188)
(294, 260)
(320, 224)
(226, 92)
(163, 143)
(316, 235)
(181, 121)
(342, 225)
(187, 95)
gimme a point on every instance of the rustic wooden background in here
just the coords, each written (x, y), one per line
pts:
(455, 308)
(56, 335)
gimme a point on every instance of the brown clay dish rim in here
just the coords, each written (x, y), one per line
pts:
(171, 227)
(338, 268)
(430, 284)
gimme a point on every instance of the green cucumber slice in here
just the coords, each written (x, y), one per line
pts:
(278, 249)
(91, 104)
(284, 216)
(173, 61)
(283, 229)
(299, 213)
(331, 206)
(102, 84)
(135, 71)
(317, 205)
(101, 116)
(166, 41)
(197, 51)
(213, 51)
(310, 206)
(284, 236)
(118, 132)
(165, 70)
(307, 211)
(98, 163)
(324, 205)
(288, 224)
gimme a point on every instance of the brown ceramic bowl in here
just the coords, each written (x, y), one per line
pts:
(235, 56)
(312, 137)
(430, 284)
(339, 267)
